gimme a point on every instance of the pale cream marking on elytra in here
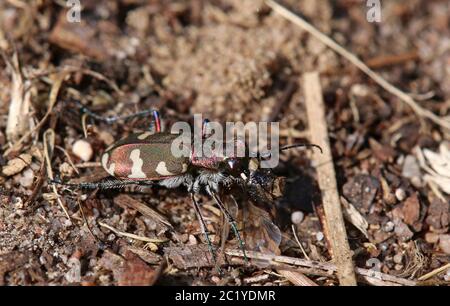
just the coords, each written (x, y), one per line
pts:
(136, 168)
(161, 169)
(144, 135)
(184, 168)
(111, 167)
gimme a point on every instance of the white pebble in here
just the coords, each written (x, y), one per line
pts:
(389, 226)
(319, 236)
(447, 276)
(398, 258)
(297, 217)
(83, 150)
(192, 240)
(26, 179)
(400, 194)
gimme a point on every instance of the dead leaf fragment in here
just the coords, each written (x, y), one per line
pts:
(352, 215)
(129, 271)
(192, 256)
(411, 210)
(436, 165)
(361, 191)
(438, 214)
(19, 106)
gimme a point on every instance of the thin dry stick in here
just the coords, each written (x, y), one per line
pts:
(132, 236)
(434, 272)
(365, 274)
(49, 144)
(294, 231)
(326, 175)
(420, 111)
(69, 159)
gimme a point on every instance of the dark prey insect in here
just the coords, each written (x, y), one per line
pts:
(146, 159)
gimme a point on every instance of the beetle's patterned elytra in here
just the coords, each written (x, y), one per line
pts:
(144, 156)
(144, 135)
(136, 168)
(110, 169)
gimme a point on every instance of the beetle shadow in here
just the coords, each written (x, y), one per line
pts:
(302, 193)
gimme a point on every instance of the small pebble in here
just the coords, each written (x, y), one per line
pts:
(18, 203)
(215, 279)
(26, 180)
(398, 258)
(319, 236)
(400, 194)
(66, 169)
(297, 217)
(83, 149)
(192, 240)
(398, 267)
(431, 237)
(447, 276)
(444, 243)
(389, 226)
(17, 164)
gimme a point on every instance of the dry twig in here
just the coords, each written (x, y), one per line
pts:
(327, 180)
(132, 236)
(320, 268)
(434, 272)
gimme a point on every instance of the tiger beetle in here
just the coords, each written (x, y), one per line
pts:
(146, 159)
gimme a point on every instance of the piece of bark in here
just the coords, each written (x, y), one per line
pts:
(146, 255)
(192, 256)
(342, 255)
(297, 278)
(130, 271)
(127, 201)
(318, 268)
(361, 190)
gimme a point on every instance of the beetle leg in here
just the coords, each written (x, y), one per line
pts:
(204, 230)
(230, 220)
(109, 184)
(112, 119)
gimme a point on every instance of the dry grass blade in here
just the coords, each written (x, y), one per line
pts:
(49, 145)
(53, 97)
(434, 272)
(420, 111)
(132, 236)
(19, 106)
(327, 180)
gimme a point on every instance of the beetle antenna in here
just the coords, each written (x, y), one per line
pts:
(296, 145)
(264, 155)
